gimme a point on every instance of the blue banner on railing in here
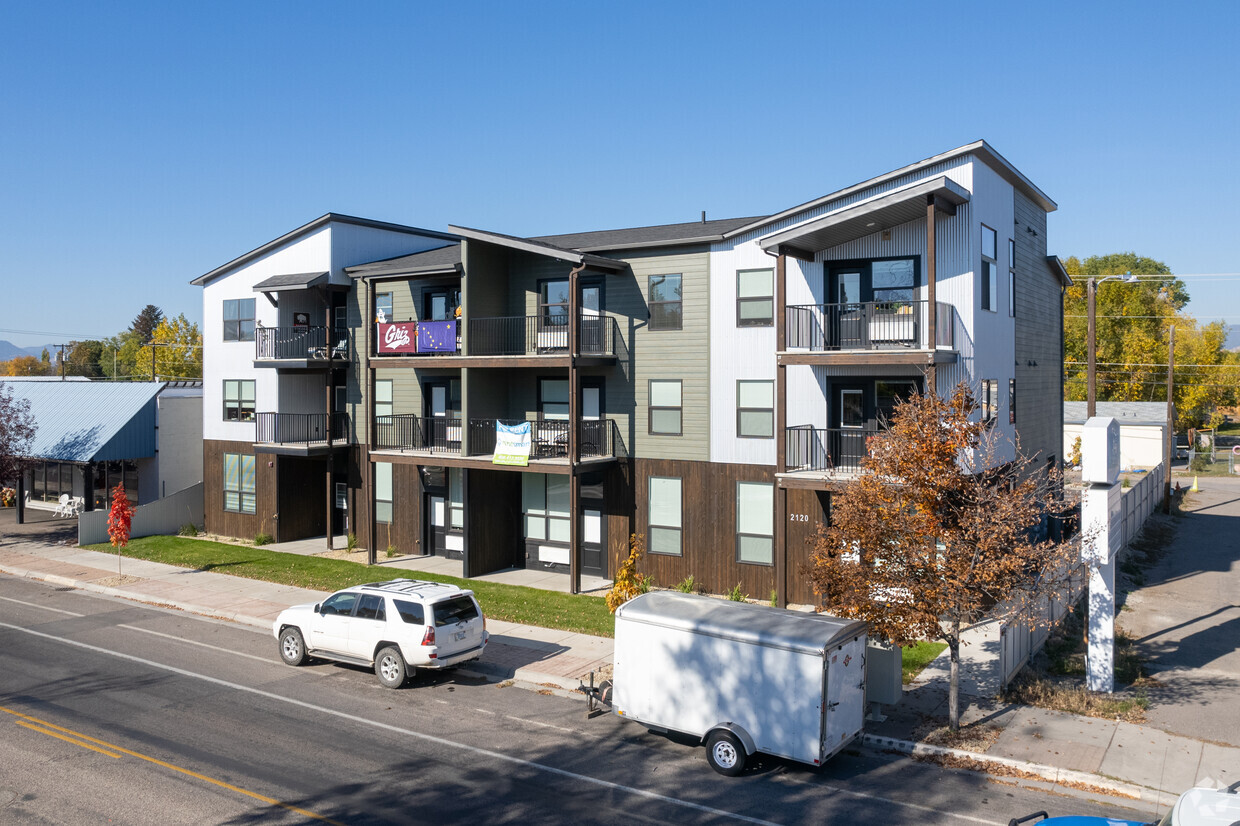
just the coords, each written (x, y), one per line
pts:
(512, 444)
(436, 336)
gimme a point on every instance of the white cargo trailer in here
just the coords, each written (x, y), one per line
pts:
(744, 678)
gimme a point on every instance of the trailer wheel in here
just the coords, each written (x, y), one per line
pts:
(725, 753)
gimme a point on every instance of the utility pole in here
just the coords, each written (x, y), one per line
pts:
(62, 360)
(1170, 419)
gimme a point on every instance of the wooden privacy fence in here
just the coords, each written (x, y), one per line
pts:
(158, 518)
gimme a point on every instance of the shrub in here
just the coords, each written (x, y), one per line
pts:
(262, 538)
(736, 595)
(629, 582)
(188, 529)
(391, 551)
(1076, 452)
(350, 543)
(688, 585)
(774, 598)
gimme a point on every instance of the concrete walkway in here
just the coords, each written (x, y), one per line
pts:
(1135, 761)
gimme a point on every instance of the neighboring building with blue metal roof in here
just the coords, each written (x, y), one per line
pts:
(92, 435)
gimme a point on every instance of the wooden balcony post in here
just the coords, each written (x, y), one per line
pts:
(574, 431)
(781, 432)
(331, 465)
(932, 306)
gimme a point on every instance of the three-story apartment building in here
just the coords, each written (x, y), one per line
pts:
(709, 385)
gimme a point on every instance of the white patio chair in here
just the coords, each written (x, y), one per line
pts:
(63, 508)
(76, 504)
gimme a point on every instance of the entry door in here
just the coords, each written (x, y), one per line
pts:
(593, 540)
(340, 513)
(848, 439)
(592, 329)
(593, 427)
(845, 321)
(445, 517)
(440, 430)
(437, 524)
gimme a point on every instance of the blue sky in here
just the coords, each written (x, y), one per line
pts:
(143, 144)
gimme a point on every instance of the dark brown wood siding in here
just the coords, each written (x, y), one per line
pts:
(492, 521)
(708, 526)
(302, 497)
(240, 525)
(618, 502)
(815, 505)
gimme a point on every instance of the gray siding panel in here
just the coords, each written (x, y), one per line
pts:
(1039, 337)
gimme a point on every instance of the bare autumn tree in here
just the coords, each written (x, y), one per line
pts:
(16, 433)
(933, 536)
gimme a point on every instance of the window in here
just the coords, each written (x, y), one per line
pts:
(1011, 278)
(553, 303)
(990, 273)
(663, 509)
(755, 298)
(383, 398)
(665, 407)
(339, 605)
(755, 409)
(544, 501)
(371, 607)
(410, 612)
(755, 523)
(239, 483)
(890, 392)
(383, 308)
(665, 302)
(553, 399)
(1011, 401)
(893, 282)
(440, 305)
(456, 499)
(239, 319)
(383, 492)
(110, 474)
(238, 400)
(989, 401)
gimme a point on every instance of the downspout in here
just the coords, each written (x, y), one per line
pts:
(574, 431)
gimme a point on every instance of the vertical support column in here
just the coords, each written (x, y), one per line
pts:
(1102, 518)
(1091, 396)
(781, 431)
(331, 488)
(368, 412)
(88, 485)
(21, 497)
(932, 307)
(1170, 420)
(574, 431)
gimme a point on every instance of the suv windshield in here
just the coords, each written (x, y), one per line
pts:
(457, 609)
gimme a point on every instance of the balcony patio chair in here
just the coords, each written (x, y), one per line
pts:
(64, 508)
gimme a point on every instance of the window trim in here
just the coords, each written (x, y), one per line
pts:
(240, 319)
(651, 407)
(679, 529)
(1011, 278)
(742, 300)
(651, 304)
(1011, 401)
(989, 400)
(989, 274)
(374, 311)
(739, 534)
(240, 490)
(391, 484)
(239, 400)
(742, 410)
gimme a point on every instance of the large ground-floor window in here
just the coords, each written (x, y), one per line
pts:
(110, 474)
(46, 481)
(544, 504)
(239, 487)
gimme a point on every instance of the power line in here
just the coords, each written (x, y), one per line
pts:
(1140, 364)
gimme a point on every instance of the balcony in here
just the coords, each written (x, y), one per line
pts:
(833, 452)
(300, 347)
(542, 335)
(881, 331)
(600, 438)
(301, 434)
(409, 433)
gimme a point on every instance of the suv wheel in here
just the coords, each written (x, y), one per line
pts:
(390, 667)
(292, 647)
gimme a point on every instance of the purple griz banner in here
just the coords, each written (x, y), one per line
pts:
(436, 336)
(398, 338)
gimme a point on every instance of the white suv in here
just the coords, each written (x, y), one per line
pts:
(397, 626)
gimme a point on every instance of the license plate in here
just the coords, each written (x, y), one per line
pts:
(460, 635)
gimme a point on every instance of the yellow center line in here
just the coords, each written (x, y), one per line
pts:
(189, 772)
(50, 733)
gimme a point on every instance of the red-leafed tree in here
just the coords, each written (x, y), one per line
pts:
(938, 533)
(120, 519)
(16, 433)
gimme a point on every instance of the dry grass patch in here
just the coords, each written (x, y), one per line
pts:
(1071, 696)
(977, 737)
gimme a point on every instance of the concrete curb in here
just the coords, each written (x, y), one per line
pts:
(1051, 773)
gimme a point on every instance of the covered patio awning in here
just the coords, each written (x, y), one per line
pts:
(294, 281)
(866, 217)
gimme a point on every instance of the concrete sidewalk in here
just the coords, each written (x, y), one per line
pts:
(1134, 761)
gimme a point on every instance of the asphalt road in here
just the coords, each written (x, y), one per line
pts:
(115, 712)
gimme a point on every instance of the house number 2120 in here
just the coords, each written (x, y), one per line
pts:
(798, 517)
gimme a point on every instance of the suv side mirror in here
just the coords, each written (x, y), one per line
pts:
(317, 608)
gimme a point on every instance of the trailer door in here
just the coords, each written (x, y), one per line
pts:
(844, 705)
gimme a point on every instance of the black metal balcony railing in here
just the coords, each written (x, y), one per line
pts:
(320, 343)
(301, 428)
(541, 335)
(600, 438)
(405, 431)
(872, 325)
(838, 449)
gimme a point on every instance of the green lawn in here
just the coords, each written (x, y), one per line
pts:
(914, 658)
(512, 603)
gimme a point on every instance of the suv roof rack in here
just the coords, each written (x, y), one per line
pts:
(408, 586)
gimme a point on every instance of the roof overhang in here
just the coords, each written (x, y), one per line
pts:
(867, 217)
(596, 262)
(1060, 271)
(294, 281)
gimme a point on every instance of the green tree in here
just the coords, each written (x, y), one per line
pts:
(25, 366)
(178, 354)
(83, 358)
(1132, 340)
(121, 356)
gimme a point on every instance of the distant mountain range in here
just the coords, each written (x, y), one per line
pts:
(1233, 337)
(9, 350)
